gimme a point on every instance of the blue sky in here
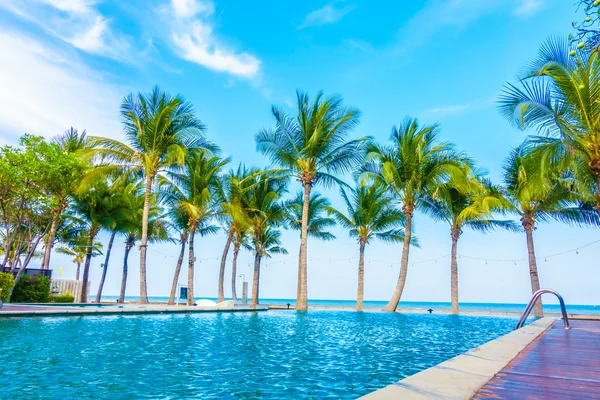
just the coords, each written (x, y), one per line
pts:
(69, 63)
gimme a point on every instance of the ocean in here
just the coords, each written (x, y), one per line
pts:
(495, 307)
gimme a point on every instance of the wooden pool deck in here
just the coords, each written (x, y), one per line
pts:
(559, 364)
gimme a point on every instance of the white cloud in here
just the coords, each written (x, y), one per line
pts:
(527, 8)
(192, 33)
(46, 90)
(328, 14)
(76, 22)
(190, 8)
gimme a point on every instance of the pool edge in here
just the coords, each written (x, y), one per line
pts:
(462, 376)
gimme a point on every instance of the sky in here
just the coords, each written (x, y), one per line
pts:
(70, 62)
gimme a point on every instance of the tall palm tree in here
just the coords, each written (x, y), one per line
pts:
(265, 242)
(266, 211)
(538, 195)
(160, 129)
(412, 165)
(316, 223)
(194, 195)
(371, 214)
(469, 204)
(557, 97)
(101, 209)
(236, 184)
(312, 146)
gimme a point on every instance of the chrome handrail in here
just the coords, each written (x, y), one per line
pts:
(534, 298)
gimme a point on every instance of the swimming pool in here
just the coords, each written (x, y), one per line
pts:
(274, 354)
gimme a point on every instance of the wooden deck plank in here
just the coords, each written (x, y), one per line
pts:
(559, 364)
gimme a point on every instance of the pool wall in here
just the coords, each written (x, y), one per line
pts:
(462, 376)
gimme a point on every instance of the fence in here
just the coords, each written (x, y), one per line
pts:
(67, 285)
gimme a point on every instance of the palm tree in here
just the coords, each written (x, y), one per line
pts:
(415, 163)
(264, 243)
(265, 211)
(129, 193)
(179, 222)
(558, 98)
(76, 247)
(160, 129)
(316, 223)
(538, 195)
(194, 195)
(101, 209)
(312, 146)
(469, 204)
(236, 183)
(157, 232)
(371, 215)
(241, 238)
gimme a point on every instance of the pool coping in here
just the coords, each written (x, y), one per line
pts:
(462, 376)
(131, 310)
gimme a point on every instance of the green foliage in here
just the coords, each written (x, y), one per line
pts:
(7, 281)
(318, 222)
(30, 289)
(63, 298)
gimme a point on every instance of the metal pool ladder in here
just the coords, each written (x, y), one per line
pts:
(534, 298)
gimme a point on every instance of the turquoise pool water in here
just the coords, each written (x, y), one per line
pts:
(274, 354)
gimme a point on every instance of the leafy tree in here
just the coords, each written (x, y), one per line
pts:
(370, 215)
(160, 129)
(65, 171)
(469, 204)
(312, 146)
(539, 195)
(414, 164)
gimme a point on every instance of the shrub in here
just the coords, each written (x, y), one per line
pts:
(7, 281)
(63, 298)
(30, 289)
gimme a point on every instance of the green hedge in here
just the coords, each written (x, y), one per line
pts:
(30, 289)
(7, 281)
(63, 298)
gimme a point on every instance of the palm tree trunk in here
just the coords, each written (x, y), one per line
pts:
(128, 247)
(454, 271)
(78, 269)
(236, 250)
(177, 270)
(393, 303)
(50, 239)
(255, 281)
(302, 299)
(597, 171)
(361, 278)
(528, 225)
(144, 241)
(190, 291)
(222, 268)
(105, 268)
(86, 266)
